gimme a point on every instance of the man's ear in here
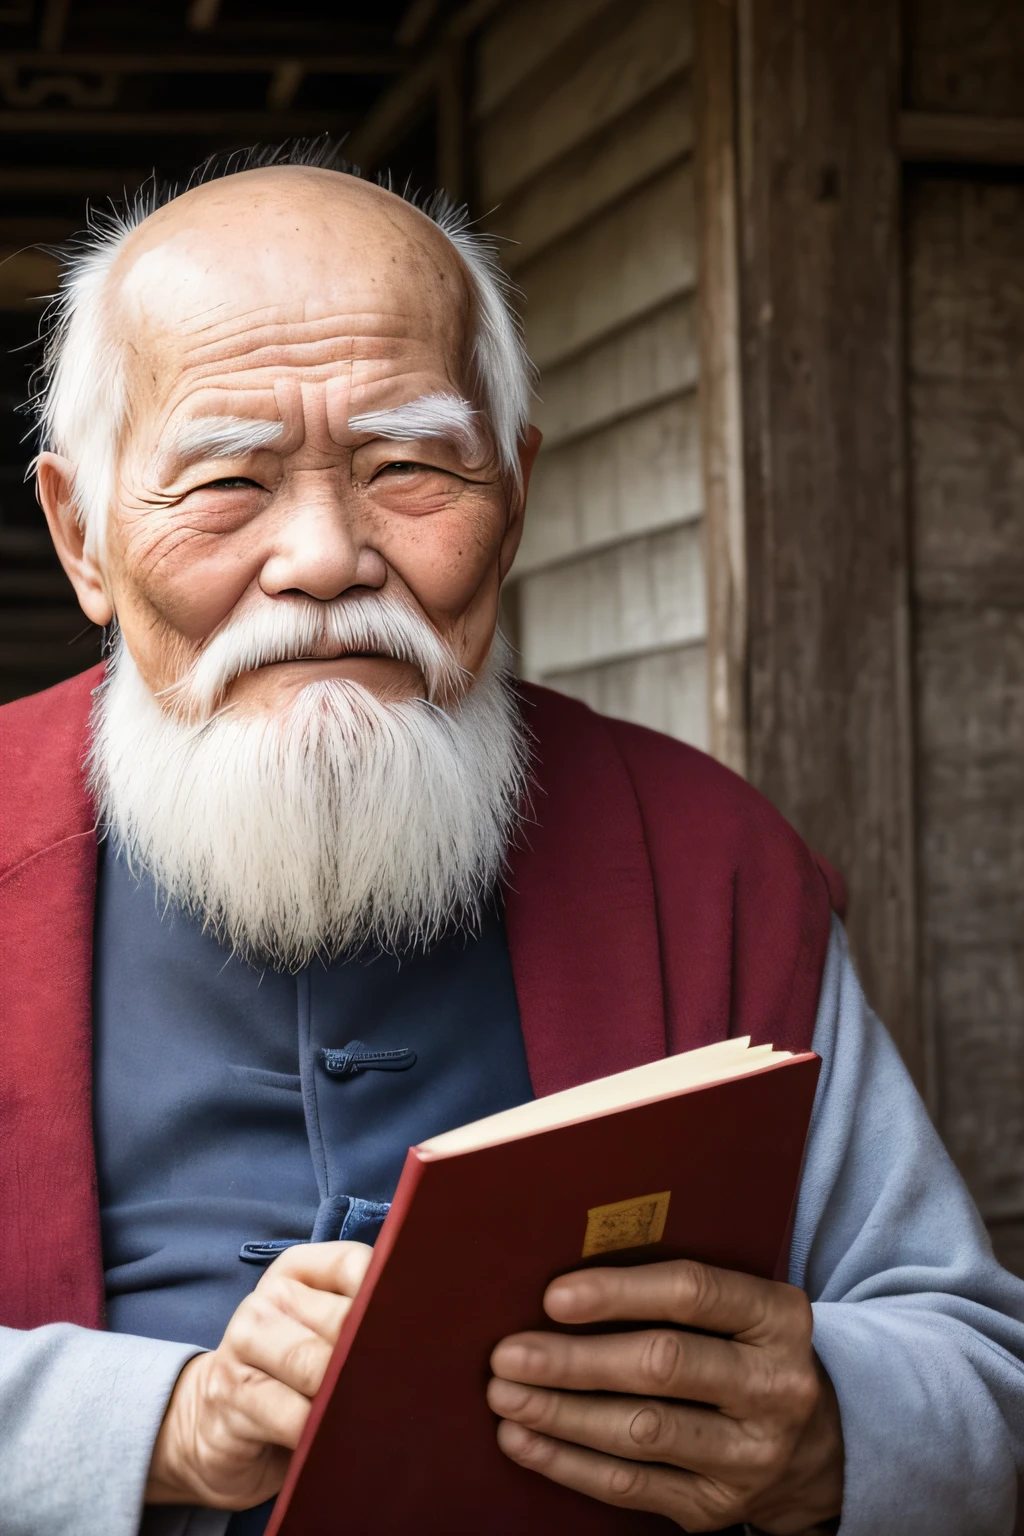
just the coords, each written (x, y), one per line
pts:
(55, 484)
(529, 446)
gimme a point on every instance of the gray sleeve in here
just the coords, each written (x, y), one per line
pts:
(79, 1414)
(920, 1329)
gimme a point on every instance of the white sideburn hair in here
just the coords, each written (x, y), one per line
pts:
(80, 398)
(339, 823)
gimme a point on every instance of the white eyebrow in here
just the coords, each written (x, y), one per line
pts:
(224, 437)
(430, 416)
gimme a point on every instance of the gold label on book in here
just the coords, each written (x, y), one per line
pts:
(626, 1223)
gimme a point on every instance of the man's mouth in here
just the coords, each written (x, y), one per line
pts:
(345, 655)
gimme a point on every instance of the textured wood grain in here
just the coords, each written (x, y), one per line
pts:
(643, 595)
(630, 260)
(626, 53)
(950, 137)
(665, 690)
(721, 416)
(637, 476)
(966, 351)
(652, 359)
(965, 57)
(607, 166)
(523, 38)
(585, 139)
(830, 738)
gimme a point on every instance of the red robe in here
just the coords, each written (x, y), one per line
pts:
(655, 903)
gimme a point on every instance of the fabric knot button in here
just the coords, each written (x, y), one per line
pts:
(265, 1253)
(356, 1057)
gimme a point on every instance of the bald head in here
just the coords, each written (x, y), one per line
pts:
(281, 257)
(158, 296)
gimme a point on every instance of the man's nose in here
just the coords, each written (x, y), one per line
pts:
(320, 546)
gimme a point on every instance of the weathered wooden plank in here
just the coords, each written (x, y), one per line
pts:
(635, 477)
(967, 441)
(642, 595)
(656, 357)
(952, 136)
(966, 350)
(830, 709)
(965, 254)
(631, 259)
(522, 38)
(720, 396)
(965, 58)
(628, 51)
(647, 139)
(970, 721)
(666, 691)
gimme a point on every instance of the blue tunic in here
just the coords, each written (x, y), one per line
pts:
(238, 1110)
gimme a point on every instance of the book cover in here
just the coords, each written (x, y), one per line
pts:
(400, 1438)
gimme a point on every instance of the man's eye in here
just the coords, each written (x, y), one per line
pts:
(232, 483)
(402, 466)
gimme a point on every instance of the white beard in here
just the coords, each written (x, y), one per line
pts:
(338, 823)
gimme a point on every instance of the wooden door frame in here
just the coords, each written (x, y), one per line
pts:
(809, 607)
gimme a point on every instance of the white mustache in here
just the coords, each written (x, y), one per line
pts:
(301, 629)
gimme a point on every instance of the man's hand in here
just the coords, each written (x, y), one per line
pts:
(237, 1413)
(708, 1431)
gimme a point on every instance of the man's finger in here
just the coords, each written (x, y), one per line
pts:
(679, 1291)
(634, 1428)
(662, 1362)
(278, 1346)
(322, 1311)
(337, 1267)
(684, 1498)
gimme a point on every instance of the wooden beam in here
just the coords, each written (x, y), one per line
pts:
(399, 107)
(830, 734)
(55, 20)
(949, 136)
(69, 179)
(202, 15)
(26, 229)
(719, 388)
(414, 25)
(378, 61)
(452, 116)
(240, 125)
(25, 276)
(283, 86)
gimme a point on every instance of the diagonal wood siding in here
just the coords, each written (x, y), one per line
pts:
(583, 133)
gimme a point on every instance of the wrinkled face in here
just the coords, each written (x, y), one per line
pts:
(266, 318)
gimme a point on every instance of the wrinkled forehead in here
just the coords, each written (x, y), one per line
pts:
(258, 284)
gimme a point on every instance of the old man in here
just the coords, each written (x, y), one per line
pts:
(306, 813)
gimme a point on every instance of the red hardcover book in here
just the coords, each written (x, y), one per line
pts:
(697, 1156)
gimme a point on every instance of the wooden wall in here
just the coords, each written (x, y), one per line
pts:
(583, 134)
(964, 263)
(829, 687)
